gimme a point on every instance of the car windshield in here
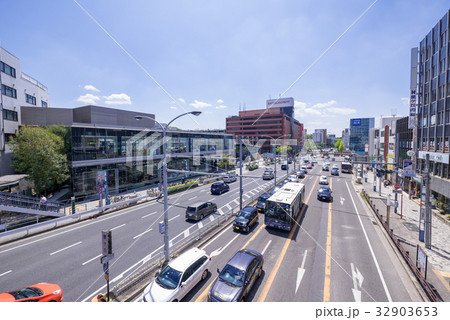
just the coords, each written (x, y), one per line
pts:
(324, 190)
(232, 275)
(191, 209)
(262, 199)
(278, 211)
(243, 214)
(169, 278)
(25, 293)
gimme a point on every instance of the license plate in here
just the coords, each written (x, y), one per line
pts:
(236, 228)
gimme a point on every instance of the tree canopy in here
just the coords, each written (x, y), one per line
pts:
(40, 153)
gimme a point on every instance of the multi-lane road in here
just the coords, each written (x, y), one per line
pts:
(337, 252)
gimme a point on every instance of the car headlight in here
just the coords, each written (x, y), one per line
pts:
(57, 291)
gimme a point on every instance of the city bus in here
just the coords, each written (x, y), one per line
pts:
(283, 207)
(346, 167)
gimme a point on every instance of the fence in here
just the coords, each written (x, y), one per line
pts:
(405, 254)
(22, 201)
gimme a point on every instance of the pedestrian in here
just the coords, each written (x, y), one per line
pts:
(43, 202)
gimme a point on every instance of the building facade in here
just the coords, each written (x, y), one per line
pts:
(261, 124)
(18, 89)
(320, 136)
(127, 152)
(359, 134)
(433, 108)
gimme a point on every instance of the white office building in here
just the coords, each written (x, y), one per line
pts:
(18, 90)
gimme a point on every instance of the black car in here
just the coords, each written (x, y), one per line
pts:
(261, 204)
(245, 219)
(237, 278)
(324, 193)
(284, 166)
(335, 172)
(219, 187)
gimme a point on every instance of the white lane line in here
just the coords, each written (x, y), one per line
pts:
(220, 211)
(94, 258)
(193, 198)
(200, 225)
(236, 200)
(228, 206)
(173, 218)
(186, 233)
(5, 273)
(72, 245)
(225, 230)
(370, 247)
(118, 227)
(142, 233)
(267, 245)
(211, 218)
(219, 251)
(148, 215)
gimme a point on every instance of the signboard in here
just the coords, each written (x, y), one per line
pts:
(397, 186)
(101, 183)
(106, 242)
(422, 261)
(408, 169)
(356, 122)
(435, 156)
(412, 109)
(281, 102)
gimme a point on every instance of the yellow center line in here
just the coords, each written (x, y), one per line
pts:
(327, 280)
(274, 272)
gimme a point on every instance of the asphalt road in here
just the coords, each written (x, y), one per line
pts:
(336, 253)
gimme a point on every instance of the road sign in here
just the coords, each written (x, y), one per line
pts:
(397, 186)
(397, 191)
(106, 242)
(106, 258)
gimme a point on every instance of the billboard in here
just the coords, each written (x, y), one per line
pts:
(280, 102)
(356, 122)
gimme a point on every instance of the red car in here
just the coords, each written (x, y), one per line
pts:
(309, 166)
(41, 292)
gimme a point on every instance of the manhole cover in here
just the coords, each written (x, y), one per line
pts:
(411, 226)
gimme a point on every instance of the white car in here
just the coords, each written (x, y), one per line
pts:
(178, 277)
(323, 180)
(229, 178)
(335, 166)
(304, 168)
(293, 178)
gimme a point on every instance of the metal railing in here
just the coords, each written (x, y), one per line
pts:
(405, 254)
(22, 201)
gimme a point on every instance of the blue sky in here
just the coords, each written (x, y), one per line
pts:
(219, 56)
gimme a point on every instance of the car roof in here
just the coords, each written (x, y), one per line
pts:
(248, 209)
(196, 204)
(183, 261)
(265, 195)
(218, 183)
(243, 258)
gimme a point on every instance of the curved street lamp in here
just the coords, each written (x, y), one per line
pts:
(166, 205)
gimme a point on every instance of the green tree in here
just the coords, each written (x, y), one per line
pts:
(39, 153)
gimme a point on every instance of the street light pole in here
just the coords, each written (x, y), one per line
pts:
(166, 203)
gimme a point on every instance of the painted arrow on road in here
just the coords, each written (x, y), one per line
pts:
(342, 200)
(219, 251)
(301, 272)
(357, 283)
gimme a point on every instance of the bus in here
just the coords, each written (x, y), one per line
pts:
(346, 167)
(283, 207)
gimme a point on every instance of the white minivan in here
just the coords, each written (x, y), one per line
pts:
(178, 277)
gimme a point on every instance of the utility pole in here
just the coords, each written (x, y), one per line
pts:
(427, 203)
(240, 173)
(397, 158)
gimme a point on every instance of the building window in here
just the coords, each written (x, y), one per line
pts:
(44, 104)
(30, 99)
(7, 69)
(8, 91)
(9, 115)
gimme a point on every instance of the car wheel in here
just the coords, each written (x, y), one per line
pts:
(259, 272)
(204, 274)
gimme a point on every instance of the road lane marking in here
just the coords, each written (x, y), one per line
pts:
(94, 258)
(193, 198)
(72, 245)
(173, 218)
(219, 251)
(142, 233)
(301, 272)
(327, 280)
(265, 248)
(118, 227)
(274, 272)
(370, 247)
(148, 215)
(5, 273)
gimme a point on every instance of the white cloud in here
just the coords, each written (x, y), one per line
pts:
(324, 104)
(221, 107)
(173, 108)
(220, 101)
(405, 101)
(88, 99)
(200, 105)
(182, 100)
(117, 98)
(90, 87)
(343, 111)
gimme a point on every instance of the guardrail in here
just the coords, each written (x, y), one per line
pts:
(405, 254)
(136, 280)
(22, 201)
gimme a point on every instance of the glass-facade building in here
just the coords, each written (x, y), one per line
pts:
(133, 158)
(359, 134)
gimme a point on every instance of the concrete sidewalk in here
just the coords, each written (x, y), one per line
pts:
(405, 226)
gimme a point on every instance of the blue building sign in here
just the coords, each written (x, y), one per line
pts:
(356, 122)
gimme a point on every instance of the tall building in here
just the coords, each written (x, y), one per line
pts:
(18, 89)
(274, 121)
(320, 136)
(346, 138)
(433, 108)
(359, 134)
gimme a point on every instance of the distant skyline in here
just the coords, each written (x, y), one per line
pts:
(337, 59)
